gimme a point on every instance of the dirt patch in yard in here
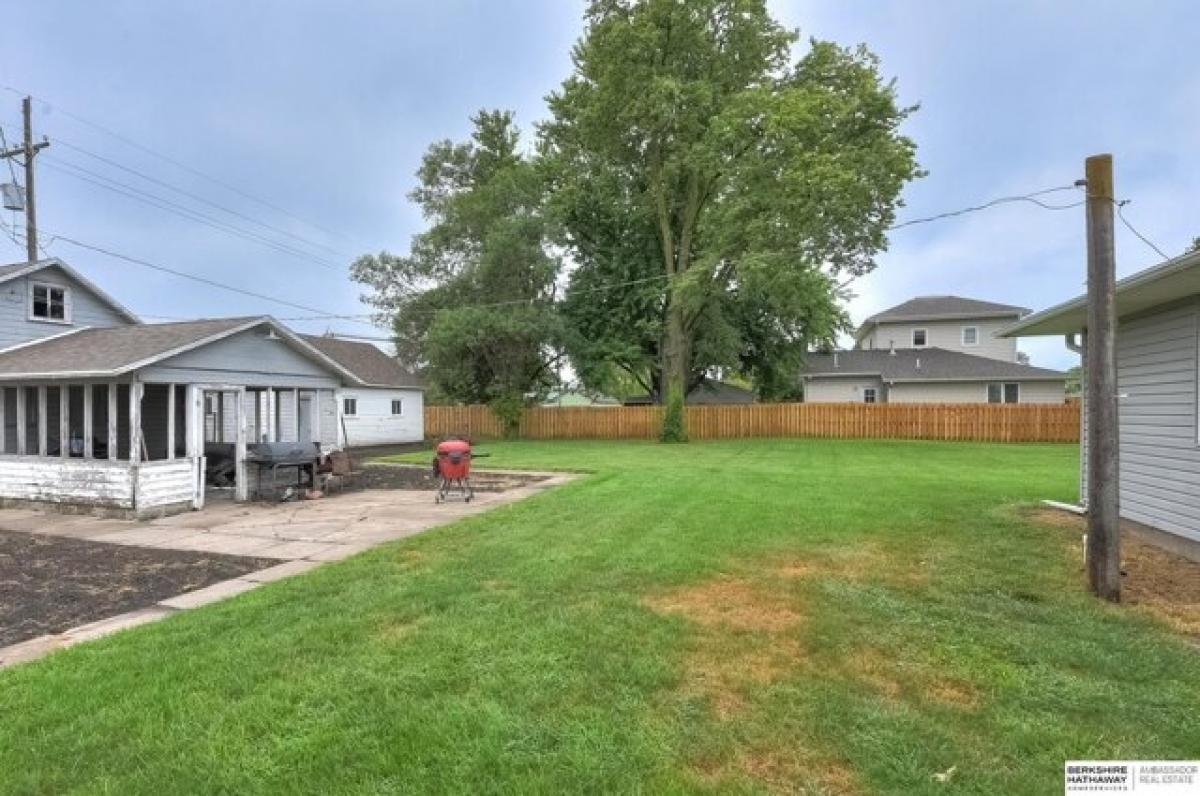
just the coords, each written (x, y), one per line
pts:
(745, 640)
(1158, 580)
(421, 478)
(858, 562)
(49, 584)
(787, 770)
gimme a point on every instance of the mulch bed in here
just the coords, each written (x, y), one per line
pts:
(399, 476)
(49, 584)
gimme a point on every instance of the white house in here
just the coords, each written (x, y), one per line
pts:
(387, 408)
(1158, 365)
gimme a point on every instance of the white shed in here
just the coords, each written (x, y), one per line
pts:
(386, 408)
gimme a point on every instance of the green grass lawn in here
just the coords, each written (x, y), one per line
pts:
(735, 617)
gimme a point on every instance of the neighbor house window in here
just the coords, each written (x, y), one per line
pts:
(918, 338)
(1006, 393)
(397, 406)
(970, 335)
(868, 395)
(350, 406)
(48, 303)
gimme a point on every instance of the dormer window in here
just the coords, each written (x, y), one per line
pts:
(919, 338)
(49, 302)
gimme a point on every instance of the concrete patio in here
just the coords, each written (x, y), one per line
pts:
(301, 535)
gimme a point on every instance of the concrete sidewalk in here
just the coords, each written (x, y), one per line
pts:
(302, 535)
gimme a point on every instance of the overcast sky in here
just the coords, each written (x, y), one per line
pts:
(324, 114)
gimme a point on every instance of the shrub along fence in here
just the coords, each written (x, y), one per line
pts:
(979, 422)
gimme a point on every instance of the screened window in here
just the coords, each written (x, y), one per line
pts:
(397, 406)
(919, 338)
(48, 303)
(1007, 393)
(869, 395)
(970, 335)
(350, 407)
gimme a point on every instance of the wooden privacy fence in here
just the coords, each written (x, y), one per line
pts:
(979, 422)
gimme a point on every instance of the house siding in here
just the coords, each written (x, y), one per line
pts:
(86, 308)
(948, 335)
(842, 389)
(1159, 451)
(248, 358)
(973, 392)
(374, 424)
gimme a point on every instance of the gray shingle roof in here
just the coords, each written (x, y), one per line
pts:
(371, 365)
(111, 349)
(923, 364)
(924, 308)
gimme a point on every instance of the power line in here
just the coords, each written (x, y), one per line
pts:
(202, 280)
(167, 205)
(1029, 197)
(197, 198)
(1121, 215)
(178, 164)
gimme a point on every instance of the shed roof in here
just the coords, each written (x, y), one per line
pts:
(921, 364)
(1175, 279)
(371, 365)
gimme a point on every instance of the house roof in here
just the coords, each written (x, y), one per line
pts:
(921, 364)
(372, 366)
(930, 308)
(1173, 280)
(16, 270)
(708, 391)
(115, 350)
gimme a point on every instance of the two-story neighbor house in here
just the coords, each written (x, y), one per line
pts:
(99, 410)
(932, 349)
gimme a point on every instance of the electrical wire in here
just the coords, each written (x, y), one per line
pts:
(1121, 215)
(132, 192)
(176, 163)
(201, 279)
(1029, 197)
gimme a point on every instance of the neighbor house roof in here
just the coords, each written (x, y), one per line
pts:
(372, 366)
(115, 350)
(17, 270)
(708, 391)
(931, 308)
(1175, 279)
(924, 364)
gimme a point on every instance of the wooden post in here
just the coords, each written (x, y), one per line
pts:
(88, 423)
(170, 422)
(270, 415)
(135, 422)
(41, 410)
(113, 442)
(3, 419)
(316, 416)
(1104, 511)
(64, 420)
(22, 423)
(193, 408)
(242, 490)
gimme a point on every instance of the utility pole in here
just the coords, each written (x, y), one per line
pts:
(1103, 473)
(28, 150)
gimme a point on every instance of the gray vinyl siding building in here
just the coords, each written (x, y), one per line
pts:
(1158, 368)
(951, 335)
(87, 305)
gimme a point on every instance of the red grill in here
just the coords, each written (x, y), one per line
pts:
(452, 464)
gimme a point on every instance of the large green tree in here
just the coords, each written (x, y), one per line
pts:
(733, 186)
(473, 300)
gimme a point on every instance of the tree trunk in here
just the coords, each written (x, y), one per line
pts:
(676, 352)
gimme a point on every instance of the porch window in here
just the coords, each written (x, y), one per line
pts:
(49, 303)
(350, 407)
(397, 406)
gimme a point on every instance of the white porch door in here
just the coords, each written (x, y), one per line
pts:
(304, 415)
